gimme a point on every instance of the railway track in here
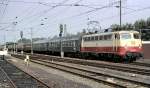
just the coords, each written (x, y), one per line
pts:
(141, 64)
(120, 67)
(100, 77)
(5, 81)
(18, 78)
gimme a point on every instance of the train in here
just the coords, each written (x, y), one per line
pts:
(116, 46)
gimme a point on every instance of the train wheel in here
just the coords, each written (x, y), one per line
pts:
(116, 59)
(127, 59)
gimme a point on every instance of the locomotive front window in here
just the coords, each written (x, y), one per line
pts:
(136, 36)
(125, 36)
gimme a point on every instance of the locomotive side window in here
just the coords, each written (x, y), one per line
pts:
(109, 37)
(125, 36)
(136, 36)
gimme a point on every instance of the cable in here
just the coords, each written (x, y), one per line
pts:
(65, 10)
(27, 2)
(3, 13)
(46, 11)
(75, 5)
(42, 12)
(138, 10)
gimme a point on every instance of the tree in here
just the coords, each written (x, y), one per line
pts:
(140, 24)
(115, 27)
(148, 22)
(129, 26)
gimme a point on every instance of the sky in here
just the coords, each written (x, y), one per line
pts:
(24, 15)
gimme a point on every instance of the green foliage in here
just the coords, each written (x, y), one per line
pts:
(115, 27)
(148, 22)
(139, 24)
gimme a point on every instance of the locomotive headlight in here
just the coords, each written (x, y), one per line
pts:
(140, 46)
(126, 46)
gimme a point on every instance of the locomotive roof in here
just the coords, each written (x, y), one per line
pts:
(145, 42)
(106, 33)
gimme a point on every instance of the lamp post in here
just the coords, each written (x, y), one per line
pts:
(120, 14)
(120, 10)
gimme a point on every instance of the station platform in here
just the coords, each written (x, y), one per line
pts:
(146, 49)
(147, 61)
(55, 78)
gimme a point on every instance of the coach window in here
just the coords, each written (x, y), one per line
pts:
(88, 38)
(96, 37)
(84, 38)
(54, 44)
(70, 43)
(100, 37)
(105, 37)
(109, 37)
(65, 43)
(51, 44)
(92, 38)
(74, 43)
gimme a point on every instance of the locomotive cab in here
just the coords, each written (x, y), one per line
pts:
(130, 44)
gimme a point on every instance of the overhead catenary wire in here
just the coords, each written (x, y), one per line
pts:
(55, 17)
(5, 8)
(113, 16)
(73, 4)
(93, 10)
(131, 12)
(127, 13)
(40, 14)
(28, 11)
(66, 8)
(30, 2)
(96, 9)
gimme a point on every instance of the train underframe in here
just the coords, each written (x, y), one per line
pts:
(128, 57)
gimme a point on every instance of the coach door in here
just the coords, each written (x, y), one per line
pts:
(115, 42)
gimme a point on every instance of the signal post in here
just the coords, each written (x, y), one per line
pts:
(60, 35)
